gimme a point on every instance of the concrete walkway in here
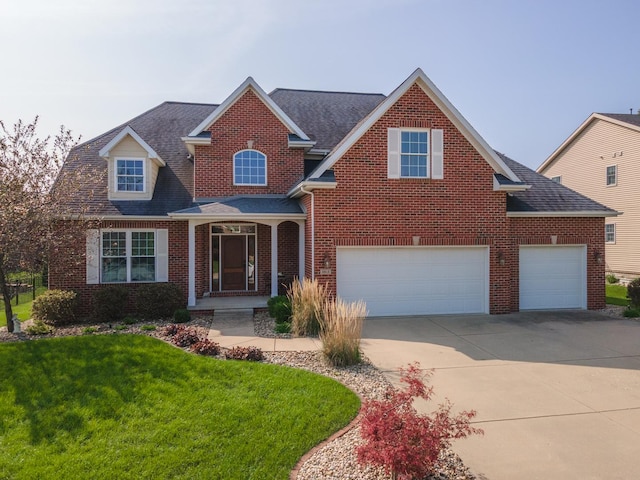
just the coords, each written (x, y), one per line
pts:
(235, 327)
(557, 394)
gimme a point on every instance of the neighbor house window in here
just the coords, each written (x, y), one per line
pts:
(414, 154)
(249, 168)
(129, 175)
(128, 256)
(612, 175)
(610, 233)
(557, 179)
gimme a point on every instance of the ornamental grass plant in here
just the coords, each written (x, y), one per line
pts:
(307, 298)
(341, 331)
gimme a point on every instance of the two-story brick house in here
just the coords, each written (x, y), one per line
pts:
(393, 199)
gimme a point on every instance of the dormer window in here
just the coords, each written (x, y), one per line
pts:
(130, 174)
(249, 168)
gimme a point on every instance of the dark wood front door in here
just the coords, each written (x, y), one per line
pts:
(234, 262)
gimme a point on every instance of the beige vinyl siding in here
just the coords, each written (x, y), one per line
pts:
(129, 148)
(583, 165)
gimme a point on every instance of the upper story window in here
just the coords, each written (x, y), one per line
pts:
(610, 233)
(612, 175)
(414, 154)
(130, 175)
(557, 179)
(249, 168)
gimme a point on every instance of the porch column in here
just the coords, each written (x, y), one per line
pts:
(274, 259)
(192, 263)
(301, 250)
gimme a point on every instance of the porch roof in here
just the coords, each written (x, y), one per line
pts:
(255, 206)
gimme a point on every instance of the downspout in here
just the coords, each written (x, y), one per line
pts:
(313, 233)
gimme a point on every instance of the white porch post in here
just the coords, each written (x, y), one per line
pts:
(192, 263)
(301, 250)
(274, 259)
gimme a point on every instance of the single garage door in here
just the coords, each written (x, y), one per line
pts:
(553, 277)
(415, 281)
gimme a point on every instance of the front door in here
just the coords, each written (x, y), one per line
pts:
(234, 262)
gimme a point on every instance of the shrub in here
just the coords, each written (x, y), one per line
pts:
(55, 307)
(182, 315)
(279, 308)
(631, 313)
(185, 337)
(38, 327)
(129, 320)
(307, 298)
(633, 292)
(159, 300)
(400, 440)
(89, 330)
(253, 354)
(121, 327)
(341, 331)
(206, 347)
(611, 278)
(109, 303)
(147, 328)
(284, 327)
(172, 329)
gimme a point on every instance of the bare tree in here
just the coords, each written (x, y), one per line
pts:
(35, 201)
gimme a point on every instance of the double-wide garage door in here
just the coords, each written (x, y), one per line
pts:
(415, 281)
(553, 277)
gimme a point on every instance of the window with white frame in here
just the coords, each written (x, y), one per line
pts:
(557, 179)
(130, 175)
(414, 153)
(249, 168)
(128, 256)
(610, 233)
(612, 175)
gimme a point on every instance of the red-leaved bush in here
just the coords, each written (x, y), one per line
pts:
(402, 441)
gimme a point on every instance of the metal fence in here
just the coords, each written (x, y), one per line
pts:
(25, 287)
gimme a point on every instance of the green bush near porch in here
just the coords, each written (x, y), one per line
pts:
(129, 407)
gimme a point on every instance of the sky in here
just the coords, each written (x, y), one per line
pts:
(524, 73)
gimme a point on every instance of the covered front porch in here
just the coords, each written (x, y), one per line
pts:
(241, 249)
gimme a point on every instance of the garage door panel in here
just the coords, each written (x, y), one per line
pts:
(552, 277)
(409, 281)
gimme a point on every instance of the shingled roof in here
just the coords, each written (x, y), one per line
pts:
(630, 118)
(547, 196)
(326, 117)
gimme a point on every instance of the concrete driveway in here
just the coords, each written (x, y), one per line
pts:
(557, 393)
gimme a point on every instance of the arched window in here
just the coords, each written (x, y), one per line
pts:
(249, 168)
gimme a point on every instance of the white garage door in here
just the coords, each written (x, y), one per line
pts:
(553, 277)
(413, 281)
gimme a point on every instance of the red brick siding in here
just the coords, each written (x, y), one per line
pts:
(247, 119)
(71, 275)
(367, 208)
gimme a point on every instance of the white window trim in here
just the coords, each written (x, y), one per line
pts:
(128, 247)
(610, 242)
(435, 153)
(557, 179)
(606, 171)
(266, 180)
(144, 176)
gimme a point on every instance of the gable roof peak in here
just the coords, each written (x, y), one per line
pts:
(420, 78)
(249, 84)
(128, 131)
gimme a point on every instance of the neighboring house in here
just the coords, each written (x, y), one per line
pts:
(396, 200)
(601, 159)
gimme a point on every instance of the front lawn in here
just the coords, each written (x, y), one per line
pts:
(23, 309)
(129, 406)
(616, 295)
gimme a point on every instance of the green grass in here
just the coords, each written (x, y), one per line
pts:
(23, 309)
(130, 407)
(616, 295)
